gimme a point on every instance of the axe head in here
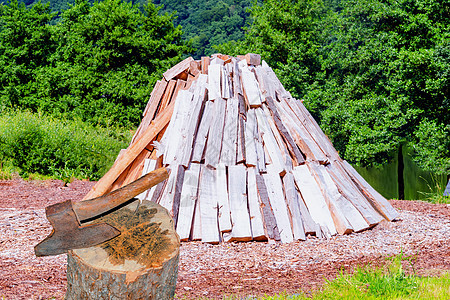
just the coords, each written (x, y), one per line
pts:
(69, 234)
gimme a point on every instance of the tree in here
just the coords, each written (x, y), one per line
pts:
(374, 73)
(25, 45)
(207, 23)
(98, 63)
(386, 82)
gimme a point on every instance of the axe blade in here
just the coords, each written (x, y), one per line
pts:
(69, 234)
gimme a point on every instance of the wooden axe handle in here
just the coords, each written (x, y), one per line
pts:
(91, 208)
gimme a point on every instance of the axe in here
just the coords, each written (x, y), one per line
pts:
(66, 217)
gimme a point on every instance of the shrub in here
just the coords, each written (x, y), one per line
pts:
(34, 143)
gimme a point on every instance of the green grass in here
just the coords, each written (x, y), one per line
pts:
(36, 146)
(436, 191)
(367, 282)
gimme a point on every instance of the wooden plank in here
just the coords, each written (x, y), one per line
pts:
(177, 194)
(175, 138)
(226, 58)
(230, 133)
(190, 80)
(286, 158)
(279, 89)
(194, 118)
(252, 93)
(181, 84)
(183, 75)
(215, 134)
(254, 206)
(270, 224)
(276, 197)
(262, 82)
(351, 214)
(196, 232)
(265, 83)
(378, 201)
(216, 60)
(308, 223)
(167, 95)
(189, 195)
(155, 98)
(142, 195)
(292, 147)
(237, 186)
(260, 153)
(313, 128)
(159, 191)
(292, 200)
(178, 68)
(214, 80)
(132, 152)
(202, 132)
(150, 109)
(205, 60)
(194, 68)
(168, 195)
(349, 189)
(237, 87)
(313, 197)
(119, 181)
(136, 167)
(242, 107)
(270, 141)
(251, 135)
(300, 133)
(253, 59)
(240, 155)
(149, 165)
(229, 67)
(340, 221)
(208, 205)
(222, 199)
(226, 84)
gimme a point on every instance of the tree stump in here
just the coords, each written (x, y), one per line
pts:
(141, 263)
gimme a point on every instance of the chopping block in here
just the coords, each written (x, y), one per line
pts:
(141, 263)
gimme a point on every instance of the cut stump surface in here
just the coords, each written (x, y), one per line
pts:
(141, 263)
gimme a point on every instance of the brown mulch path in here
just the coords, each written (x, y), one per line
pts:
(422, 232)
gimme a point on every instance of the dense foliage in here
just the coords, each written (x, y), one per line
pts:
(374, 73)
(97, 63)
(32, 143)
(207, 22)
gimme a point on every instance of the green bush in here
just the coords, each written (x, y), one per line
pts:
(34, 143)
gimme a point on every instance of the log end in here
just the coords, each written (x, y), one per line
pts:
(141, 262)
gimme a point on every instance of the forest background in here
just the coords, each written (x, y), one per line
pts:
(75, 77)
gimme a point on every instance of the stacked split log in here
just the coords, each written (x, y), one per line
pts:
(248, 161)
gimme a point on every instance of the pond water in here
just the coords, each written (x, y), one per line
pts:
(412, 184)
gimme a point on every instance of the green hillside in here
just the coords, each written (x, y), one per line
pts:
(205, 23)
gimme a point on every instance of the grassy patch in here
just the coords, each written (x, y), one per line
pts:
(388, 282)
(436, 191)
(39, 147)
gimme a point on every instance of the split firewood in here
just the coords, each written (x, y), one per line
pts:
(248, 161)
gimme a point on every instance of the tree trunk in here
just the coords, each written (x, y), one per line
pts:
(141, 263)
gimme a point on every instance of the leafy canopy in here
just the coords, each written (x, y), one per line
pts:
(98, 62)
(375, 73)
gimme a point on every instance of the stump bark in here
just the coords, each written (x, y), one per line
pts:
(141, 263)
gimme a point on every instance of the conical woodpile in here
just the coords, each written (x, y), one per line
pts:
(248, 162)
